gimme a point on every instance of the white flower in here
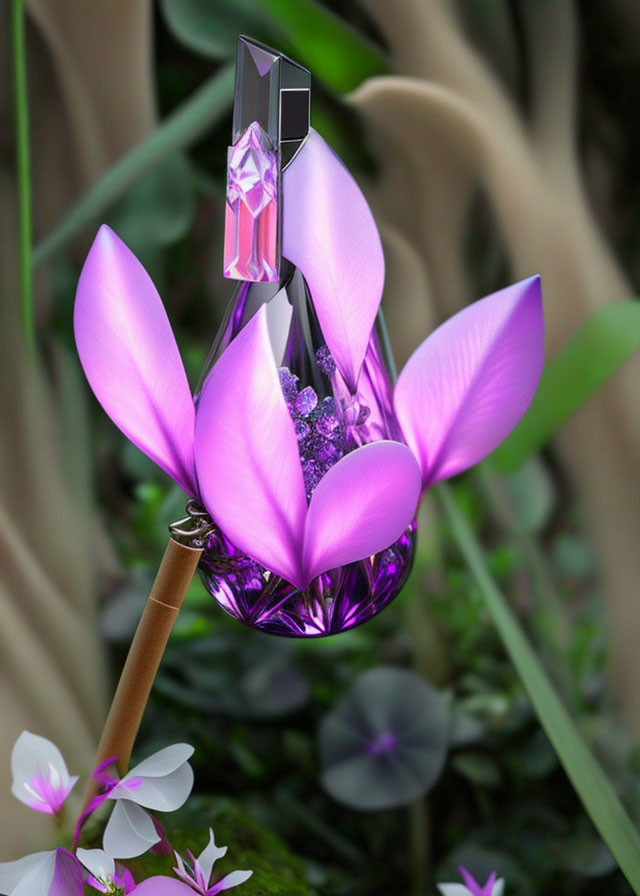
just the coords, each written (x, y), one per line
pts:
(199, 870)
(99, 865)
(40, 777)
(162, 783)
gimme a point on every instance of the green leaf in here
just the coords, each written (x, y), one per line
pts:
(589, 781)
(182, 128)
(590, 357)
(211, 28)
(327, 45)
(159, 209)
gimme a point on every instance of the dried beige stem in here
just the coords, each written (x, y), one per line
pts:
(91, 98)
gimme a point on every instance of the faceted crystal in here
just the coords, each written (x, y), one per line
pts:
(251, 217)
(329, 422)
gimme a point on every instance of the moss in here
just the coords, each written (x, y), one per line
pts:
(276, 871)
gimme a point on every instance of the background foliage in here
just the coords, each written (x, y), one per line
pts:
(490, 791)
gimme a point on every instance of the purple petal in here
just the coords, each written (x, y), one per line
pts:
(465, 388)
(474, 887)
(247, 458)
(67, 876)
(162, 886)
(360, 506)
(131, 359)
(328, 232)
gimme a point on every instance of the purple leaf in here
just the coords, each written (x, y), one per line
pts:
(131, 359)
(361, 506)
(465, 388)
(329, 233)
(247, 458)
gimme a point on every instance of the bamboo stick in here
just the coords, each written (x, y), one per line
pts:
(176, 571)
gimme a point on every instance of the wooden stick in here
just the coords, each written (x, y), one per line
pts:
(177, 569)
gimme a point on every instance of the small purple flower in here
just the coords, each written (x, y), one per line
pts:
(40, 777)
(493, 887)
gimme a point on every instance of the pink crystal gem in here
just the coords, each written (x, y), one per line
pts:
(251, 220)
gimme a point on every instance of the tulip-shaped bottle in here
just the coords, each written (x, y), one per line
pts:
(330, 420)
(332, 414)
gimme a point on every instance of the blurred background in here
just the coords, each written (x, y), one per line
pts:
(494, 139)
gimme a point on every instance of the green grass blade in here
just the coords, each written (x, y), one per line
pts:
(590, 357)
(327, 45)
(24, 174)
(192, 119)
(591, 784)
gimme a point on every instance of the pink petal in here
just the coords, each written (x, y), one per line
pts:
(162, 886)
(247, 458)
(131, 359)
(361, 506)
(465, 388)
(328, 232)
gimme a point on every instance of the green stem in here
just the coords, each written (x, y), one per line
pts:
(24, 174)
(192, 119)
(588, 779)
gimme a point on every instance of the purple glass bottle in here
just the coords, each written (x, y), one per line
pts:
(330, 421)
(270, 123)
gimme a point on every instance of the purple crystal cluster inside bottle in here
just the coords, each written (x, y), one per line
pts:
(329, 421)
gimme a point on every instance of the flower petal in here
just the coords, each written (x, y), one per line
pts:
(11, 873)
(465, 388)
(230, 880)
(67, 876)
(131, 359)
(453, 890)
(247, 459)
(40, 776)
(498, 887)
(162, 886)
(328, 232)
(163, 762)
(210, 855)
(98, 863)
(163, 794)
(130, 831)
(55, 873)
(360, 506)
